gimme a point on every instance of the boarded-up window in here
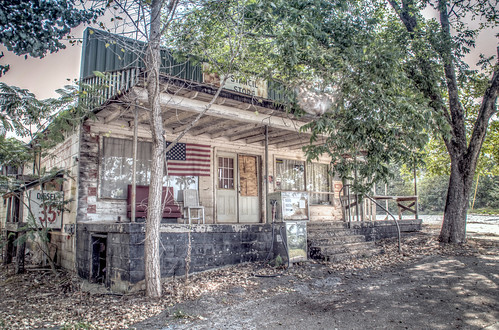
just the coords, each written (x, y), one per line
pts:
(248, 175)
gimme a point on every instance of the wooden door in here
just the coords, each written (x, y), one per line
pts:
(249, 204)
(226, 188)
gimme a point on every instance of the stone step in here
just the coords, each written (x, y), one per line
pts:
(331, 233)
(319, 241)
(326, 224)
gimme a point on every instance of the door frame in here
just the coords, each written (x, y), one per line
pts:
(222, 153)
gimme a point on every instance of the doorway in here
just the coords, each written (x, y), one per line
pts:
(99, 258)
(238, 188)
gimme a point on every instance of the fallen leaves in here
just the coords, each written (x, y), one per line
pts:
(37, 299)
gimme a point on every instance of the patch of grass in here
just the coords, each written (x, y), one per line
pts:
(77, 326)
(485, 211)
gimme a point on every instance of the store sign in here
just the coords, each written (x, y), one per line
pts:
(251, 87)
(44, 207)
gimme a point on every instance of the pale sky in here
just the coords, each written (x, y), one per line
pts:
(43, 76)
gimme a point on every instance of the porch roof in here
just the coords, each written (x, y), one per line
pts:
(233, 116)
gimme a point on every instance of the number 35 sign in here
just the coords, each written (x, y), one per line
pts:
(48, 215)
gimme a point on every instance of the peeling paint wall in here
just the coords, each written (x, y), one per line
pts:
(94, 208)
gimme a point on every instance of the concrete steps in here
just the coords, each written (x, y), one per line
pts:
(333, 241)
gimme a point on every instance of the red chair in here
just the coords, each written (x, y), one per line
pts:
(170, 208)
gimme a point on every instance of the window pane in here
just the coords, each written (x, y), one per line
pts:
(290, 174)
(318, 181)
(225, 173)
(116, 168)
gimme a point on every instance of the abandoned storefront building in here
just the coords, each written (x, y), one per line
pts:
(233, 174)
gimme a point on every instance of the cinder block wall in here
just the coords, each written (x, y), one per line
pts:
(375, 230)
(211, 246)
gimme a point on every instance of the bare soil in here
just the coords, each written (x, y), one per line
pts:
(428, 286)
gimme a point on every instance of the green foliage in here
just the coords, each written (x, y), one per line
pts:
(487, 194)
(36, 27)
(348, 50)
(432, 191)
(436, 158)
(26, 116)
(278, 262)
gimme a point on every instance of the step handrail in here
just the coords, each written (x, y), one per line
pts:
(394, 219)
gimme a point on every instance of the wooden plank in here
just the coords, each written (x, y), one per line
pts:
(117, 111)
(258, 131)
(204, 120)
(178, 102)
(273, 134)
(231, 132)
(220, 127)
(178, 118)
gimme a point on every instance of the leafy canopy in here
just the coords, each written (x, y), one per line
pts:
(36, 27)
(353, 52)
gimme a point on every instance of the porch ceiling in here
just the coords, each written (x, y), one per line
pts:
(227, 119)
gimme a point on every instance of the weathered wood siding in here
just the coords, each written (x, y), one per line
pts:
(62, 156)
(94, 208)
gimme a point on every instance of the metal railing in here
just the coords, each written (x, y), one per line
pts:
(349, 201)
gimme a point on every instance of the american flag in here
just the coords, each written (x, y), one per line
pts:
(187, 159)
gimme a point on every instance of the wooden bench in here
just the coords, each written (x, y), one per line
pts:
(170, 208)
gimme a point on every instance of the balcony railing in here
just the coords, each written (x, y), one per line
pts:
(99, 88)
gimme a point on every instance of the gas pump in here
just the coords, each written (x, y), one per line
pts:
(291, 209)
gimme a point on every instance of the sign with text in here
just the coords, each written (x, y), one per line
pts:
(249, 86)
(45, 206)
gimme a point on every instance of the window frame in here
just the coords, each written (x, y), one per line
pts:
(330, 181)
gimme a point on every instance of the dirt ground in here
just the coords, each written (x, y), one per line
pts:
(429, 286)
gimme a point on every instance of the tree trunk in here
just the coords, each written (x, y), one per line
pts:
(154, 211)
(456, 205)
(464, 154)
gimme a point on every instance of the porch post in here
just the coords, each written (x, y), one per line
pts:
(134, 163)
(266, 170)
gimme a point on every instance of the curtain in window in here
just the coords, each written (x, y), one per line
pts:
(290, 174)
(116, 168)
(318, 181)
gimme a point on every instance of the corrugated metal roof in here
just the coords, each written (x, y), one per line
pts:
(106, 52)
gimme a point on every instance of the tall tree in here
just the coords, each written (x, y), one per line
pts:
(378, 83)
(436, 70)
(152, 21)
(345, 62)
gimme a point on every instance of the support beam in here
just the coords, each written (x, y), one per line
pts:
(258, 131)
(134, 164)
(285, 138)
(117, 111)
(221, 100)
(178, 102)
(191, 95)
(270, 135)
(178, 118)
(218, 127)
(141, 118)
(231, 132)
(204, 120)
(303, 141)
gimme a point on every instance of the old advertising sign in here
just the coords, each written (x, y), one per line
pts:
(45, 206)
(249, 86)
